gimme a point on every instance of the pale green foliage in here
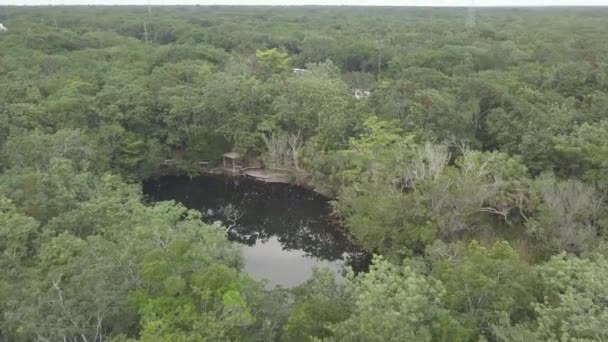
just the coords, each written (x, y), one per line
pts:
(569, 217)
(377, 134)
(190, 287)
(389, 174)
(314, 104)
(193, 305)
(372, 203)
(575, 299)
(334, 170)
(574, 303)
(273, 60)
(396, 303)
(72, 278)
(482, 189)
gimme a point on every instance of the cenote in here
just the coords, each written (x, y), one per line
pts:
(285, 230)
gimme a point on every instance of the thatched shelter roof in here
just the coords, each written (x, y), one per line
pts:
(232, 155)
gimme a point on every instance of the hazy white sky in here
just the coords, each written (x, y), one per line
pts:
(319, 2)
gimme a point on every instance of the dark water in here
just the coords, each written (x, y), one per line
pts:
(286, 231)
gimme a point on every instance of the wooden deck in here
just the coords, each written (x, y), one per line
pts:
(264, 175)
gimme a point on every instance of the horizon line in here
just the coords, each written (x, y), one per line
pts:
(306, 5)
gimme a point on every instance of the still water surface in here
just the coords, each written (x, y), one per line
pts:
(285, 230)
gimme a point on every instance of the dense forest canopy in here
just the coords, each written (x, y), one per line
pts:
(466, 148)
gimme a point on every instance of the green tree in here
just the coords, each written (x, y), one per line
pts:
(273, 61)
(36, 150)
(318, 303)
(397, 303)
(569, 217)
(573, 305)
(314, 104)
(585, 152)
(484, 284)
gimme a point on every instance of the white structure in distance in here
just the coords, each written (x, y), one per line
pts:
(361, 94)
(2, 28)
(299, 71)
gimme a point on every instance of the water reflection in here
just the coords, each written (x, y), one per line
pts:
(287, 230)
